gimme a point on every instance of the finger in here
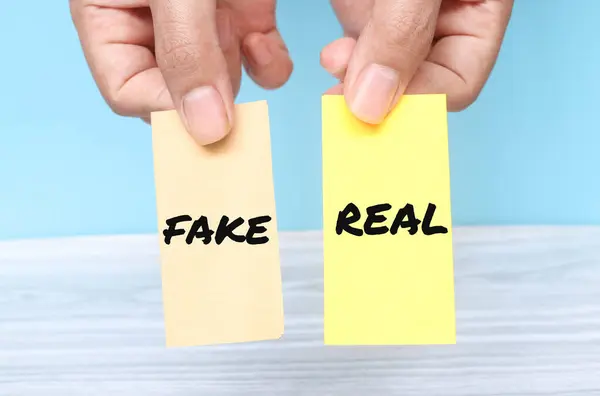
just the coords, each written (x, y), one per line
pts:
(117, 46)
(458, 66)
(229, 43)
(336, 56)
(192, 63)
(135, 85)
(267, 60)
(389, 51)
(460, 63)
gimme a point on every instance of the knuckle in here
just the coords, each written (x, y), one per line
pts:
(117, 99)
(117, 104)
(463, 98)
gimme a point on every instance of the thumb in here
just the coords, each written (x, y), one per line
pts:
(388, 53)
(195, 70)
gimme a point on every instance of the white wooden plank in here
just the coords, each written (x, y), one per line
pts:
(83, 316)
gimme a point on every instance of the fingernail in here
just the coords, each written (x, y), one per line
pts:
(260, 53)
(205, 115)
(373, 93)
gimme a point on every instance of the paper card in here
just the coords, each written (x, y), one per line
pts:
(387, 226)
(220, 275)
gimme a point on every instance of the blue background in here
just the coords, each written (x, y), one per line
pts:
(525, 153)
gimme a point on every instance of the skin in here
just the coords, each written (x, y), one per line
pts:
(150, 55)
(423, 46)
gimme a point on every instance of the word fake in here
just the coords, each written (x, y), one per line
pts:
(200, 229)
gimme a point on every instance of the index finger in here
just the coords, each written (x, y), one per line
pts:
(464, 54)
(117, 44)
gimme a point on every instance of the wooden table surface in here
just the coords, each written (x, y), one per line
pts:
(83, 316)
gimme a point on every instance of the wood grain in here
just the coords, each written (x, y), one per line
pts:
(83, 316)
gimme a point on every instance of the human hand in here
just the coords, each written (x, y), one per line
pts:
(150, 55)
(393, 47)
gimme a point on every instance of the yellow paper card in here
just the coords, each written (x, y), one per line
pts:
(220, 275)
(388, 264)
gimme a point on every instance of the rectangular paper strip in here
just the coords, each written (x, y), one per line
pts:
(218, 289)
(388, 287)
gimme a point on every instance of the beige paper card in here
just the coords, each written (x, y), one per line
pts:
(218, 232)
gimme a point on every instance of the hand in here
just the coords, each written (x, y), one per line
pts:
(393, 47)
(150, 55)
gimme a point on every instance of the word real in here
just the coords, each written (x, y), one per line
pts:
(200, 229)
(404, 218)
